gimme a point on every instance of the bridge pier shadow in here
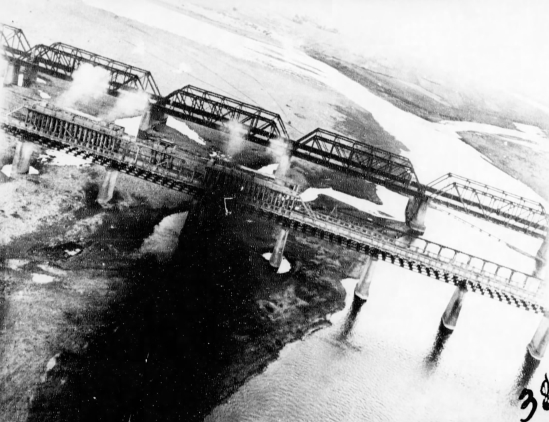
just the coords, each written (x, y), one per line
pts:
(529, 367)
(351, 318)
(432, 359)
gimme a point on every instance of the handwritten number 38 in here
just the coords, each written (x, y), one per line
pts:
(529, 396)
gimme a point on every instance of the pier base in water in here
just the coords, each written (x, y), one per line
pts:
(12, 74)
(278, 251)
(451, 314)
(21, 160)
(415, 213)
(542, 259)
(538, 344)
(362, 289)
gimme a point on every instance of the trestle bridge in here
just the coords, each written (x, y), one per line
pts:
(164, 164)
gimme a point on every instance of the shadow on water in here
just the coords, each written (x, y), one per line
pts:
(160, 349)
(351, 318)
(527, 371)
(431, 361)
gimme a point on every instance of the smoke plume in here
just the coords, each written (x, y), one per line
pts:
(236, 137)
(128, 104)
(89, 83)
(279, 151)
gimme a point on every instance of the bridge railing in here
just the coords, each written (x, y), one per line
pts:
(488, 275)
(49, 126)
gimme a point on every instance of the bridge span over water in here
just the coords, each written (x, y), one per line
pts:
(165, 164)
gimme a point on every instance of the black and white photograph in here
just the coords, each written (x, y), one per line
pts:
(274, 211)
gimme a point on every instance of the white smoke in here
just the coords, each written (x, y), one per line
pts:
(89, 83)
(164, 240)
(236, 137)
(128, 104)
(279, 151)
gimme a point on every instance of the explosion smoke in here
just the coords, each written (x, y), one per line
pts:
(236, 137)
(128, 104)
(279, 151)
(89, 83)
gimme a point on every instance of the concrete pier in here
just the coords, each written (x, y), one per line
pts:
(27, 76)
(21, 160)
(538, 344)
(151, 117)
(542, 259)
(415, 213)
(106, 190)
(451, 314)
(12, 74)
(278, 251)
(362, 289)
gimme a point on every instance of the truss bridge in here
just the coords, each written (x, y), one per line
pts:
(357, 158)
(281, 202)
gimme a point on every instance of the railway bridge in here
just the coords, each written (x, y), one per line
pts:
(162, 163)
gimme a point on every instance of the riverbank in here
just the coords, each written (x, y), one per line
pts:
(95, 329)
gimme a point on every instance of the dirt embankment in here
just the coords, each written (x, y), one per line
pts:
(65, 263)
(93, 329)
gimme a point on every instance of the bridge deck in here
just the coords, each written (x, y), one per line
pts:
(161, 164)
(428, 258)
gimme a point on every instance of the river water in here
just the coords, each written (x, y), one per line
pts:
(386, 359)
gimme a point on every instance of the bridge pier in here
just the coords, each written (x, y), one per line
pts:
(451, 314)
(26, 76)
(415, 213)
(278, 251)
(106, 190)
(21, 159)
(542, 259)
(12, 74)
(540, 341)
(362, 289)
(150, 118)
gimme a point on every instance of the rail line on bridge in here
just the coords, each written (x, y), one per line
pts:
(264, 127)
(157, 162)
(283, 203)
(162, 164)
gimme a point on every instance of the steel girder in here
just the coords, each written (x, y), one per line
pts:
(62, 60)
(14, 43)
(219, 112)
(354, 157)
(489, 203)
(160, 163)
(282, 201)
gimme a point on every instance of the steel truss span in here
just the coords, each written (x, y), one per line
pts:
(14, 44)
(489, 203)
(219, 112)
(267, 128)
(282, 203)
(61, 60)
(156, 162)
(356, 158)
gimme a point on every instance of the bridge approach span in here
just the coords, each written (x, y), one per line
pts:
(158, 162)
